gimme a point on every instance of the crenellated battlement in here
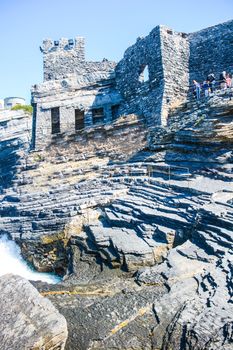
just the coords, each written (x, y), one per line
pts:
(62, 56)
(77, 44)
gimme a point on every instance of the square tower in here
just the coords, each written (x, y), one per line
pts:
(62, 57)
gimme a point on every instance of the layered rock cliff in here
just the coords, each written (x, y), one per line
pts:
(15, 131)
(140, 223)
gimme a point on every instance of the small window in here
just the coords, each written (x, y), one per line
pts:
(98, 115)
(115, 111)
(55, 120)
(79, 119)
(144, 74)
(169, 32)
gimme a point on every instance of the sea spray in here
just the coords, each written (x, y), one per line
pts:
(11, 261)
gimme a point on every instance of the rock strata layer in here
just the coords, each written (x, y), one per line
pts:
(141, 231)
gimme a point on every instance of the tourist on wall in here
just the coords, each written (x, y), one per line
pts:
(223, 80)
(196, 89)
(206, 88)
(229, 81)
(212, 81)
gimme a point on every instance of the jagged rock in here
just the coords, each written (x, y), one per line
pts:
(15, 128)
(28, 320)
(166, 216)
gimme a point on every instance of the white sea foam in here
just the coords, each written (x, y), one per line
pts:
(11, 261)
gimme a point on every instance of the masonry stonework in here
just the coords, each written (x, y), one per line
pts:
(99, 92)
(211, 49)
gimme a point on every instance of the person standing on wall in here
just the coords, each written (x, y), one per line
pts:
(206, 88)
(223, 80)
(196, 89)
(228, 81)
(212, 81)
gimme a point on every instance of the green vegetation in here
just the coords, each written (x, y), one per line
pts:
(200, 120)
(26, 108)
(38, 158)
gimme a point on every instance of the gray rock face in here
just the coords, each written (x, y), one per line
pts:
(145, 234)
(15, 136)
(42, 233)
(28, 320)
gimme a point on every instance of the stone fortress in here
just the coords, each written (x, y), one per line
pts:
(78, 94)
(127, 196)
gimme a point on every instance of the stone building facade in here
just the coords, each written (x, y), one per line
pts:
(77, 94)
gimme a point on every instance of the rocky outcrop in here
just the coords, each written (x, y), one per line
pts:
(198, 275)
(183, 298)
(15, 127)
(183, 302)
(56, 186)
(28, 320)
(143, 234)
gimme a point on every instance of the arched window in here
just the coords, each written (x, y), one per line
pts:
(144, 74)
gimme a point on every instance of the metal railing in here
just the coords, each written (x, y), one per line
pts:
(150, 170)
(133, 171)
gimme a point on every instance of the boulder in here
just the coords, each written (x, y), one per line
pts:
(28, 320)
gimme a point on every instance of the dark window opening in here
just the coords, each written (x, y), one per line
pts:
(144, 74)
(33, 139)
(55, 120)
(169, 32)
(98, 115)
(79, 119)
(115, 111)
(184, 35)
(56, 43)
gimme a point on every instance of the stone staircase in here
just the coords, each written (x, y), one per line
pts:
(197, 133)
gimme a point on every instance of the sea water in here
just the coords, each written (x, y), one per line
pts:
(11, 261)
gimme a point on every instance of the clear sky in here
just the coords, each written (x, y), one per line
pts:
(109, 27)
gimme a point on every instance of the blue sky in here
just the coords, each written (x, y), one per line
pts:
(109, 27)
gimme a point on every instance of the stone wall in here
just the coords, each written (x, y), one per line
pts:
(84, 99)
(70, 83)
(175, 60)
(166, 54)
(142, 97)
(211, 50)
(64, 57)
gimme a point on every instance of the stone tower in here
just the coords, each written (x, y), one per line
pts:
(62, 57)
